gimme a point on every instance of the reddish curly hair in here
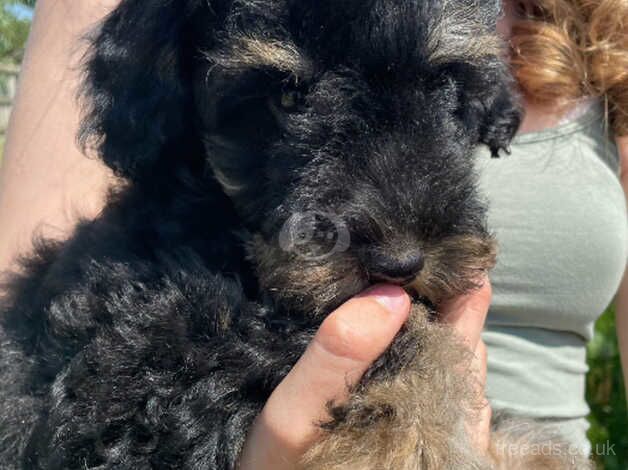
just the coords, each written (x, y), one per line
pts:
(563, 50)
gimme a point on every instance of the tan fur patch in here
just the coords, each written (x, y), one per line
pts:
(487, 45)
(451, 34)
(251, 52)
(454, 266)
(302, 283)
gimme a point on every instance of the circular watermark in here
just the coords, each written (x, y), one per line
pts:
(314, 235)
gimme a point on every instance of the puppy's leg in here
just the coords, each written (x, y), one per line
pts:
(409, 411)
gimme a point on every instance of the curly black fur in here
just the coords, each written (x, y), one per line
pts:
(154, 335)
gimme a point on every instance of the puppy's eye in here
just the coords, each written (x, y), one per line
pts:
(290, 99)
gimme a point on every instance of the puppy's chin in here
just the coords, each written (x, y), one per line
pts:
(306, 286)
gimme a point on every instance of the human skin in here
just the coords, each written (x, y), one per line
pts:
(46, 185)
(621, 300)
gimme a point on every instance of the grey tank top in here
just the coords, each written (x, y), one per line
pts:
(558, 211)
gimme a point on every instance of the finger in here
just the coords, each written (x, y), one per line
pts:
(622, 147)
(480, 358)
(346, 344)
(480, 425)
(467, 313)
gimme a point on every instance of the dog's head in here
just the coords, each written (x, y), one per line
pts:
(342, 130)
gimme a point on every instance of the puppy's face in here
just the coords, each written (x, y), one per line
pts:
(343, 133)
(344, 136)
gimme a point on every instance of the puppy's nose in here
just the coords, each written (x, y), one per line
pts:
(395, 269)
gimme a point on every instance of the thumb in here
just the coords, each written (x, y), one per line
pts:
(346, 344)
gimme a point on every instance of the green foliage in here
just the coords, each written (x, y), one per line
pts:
(13, 32)
(607, 398)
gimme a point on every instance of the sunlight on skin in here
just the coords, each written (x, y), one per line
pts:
(46, 184)
(621, 301)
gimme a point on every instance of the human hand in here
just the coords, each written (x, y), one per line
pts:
(467, 314)
(622, 148)
(348, 341)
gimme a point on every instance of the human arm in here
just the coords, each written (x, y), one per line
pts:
(46, 183)
(621, 301)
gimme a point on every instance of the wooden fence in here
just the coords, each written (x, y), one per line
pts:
(8, 83)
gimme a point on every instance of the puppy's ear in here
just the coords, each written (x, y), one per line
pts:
(502, 115)
(488, 101)
(138, 100)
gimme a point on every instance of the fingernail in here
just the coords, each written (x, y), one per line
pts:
(392, 298)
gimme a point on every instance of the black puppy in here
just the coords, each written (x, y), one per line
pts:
(278, 157)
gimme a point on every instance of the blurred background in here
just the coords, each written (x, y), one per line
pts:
(605, 388)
